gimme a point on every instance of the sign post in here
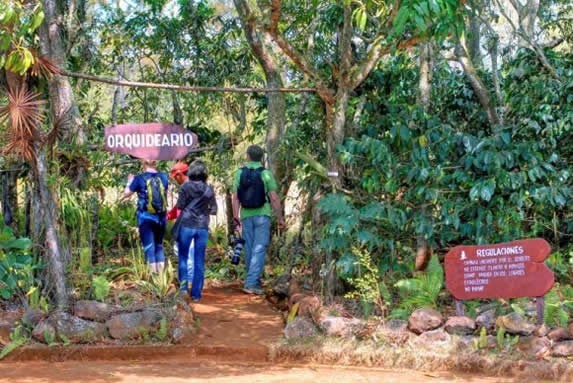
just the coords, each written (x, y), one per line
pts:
(505, 270)
(150, 141)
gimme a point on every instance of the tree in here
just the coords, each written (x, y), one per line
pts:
(23, 117)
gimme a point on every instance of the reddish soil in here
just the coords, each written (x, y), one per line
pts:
(209, 371)
(232, 346)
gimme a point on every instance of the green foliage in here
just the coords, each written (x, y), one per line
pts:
(504, 341)
(162, 332)
(100, 287)
(17, 26)
(159, 284)
(558, 305)
(17, 266)
(368, 286)
(421, 291)
(18, 338)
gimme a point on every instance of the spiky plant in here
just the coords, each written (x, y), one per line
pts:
(23, 115)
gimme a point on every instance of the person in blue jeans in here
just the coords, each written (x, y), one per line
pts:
(196, 202)
(151, 218)
(254, 193)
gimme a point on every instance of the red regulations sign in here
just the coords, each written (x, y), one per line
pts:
(151, 141)
(505, 270)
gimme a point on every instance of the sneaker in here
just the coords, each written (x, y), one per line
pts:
(253, 291)
(196, 300)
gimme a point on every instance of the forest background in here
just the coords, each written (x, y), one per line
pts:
(431, 123)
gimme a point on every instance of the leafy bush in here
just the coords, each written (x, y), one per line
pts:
(421, 291)
(100, 287)
(17, 266)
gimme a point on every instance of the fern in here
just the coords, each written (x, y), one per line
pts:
(421, 291)
(558, 305)
(101, 288)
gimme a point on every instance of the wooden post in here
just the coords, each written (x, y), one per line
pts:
(540, 302)
(460, 308)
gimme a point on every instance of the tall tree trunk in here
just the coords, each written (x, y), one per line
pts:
(477, 84)
(423, 250)
(53, 251)
(425, 84)
(259, 41)
(177, 112)
(62, 101)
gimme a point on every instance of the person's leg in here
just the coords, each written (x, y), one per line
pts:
(147, 242)
(190, 261)
(183, 241)
(158, 234)
(261, 238)
(249, 237)
(201, 237)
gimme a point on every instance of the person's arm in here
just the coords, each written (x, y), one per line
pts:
(213, 205)
(236, 211)
(182, 199)
(277, 208)
(128, 192)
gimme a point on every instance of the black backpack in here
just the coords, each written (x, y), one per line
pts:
(156, 199)
(251, 190)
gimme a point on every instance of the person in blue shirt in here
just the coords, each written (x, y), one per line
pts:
(151, 215)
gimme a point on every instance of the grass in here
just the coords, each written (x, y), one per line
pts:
(322, 350)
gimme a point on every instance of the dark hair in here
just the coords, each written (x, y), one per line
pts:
(197, 171)
(255, 153)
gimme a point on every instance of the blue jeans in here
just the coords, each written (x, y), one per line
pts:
(189, 263)
(199, 238)
(151, 233)
(257, 233)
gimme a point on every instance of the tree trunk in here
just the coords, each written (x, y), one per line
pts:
(276, 105)
(53, 251)
(10, 199)
(64, 108)
(425, 84)
(177, 112)
(477, 84)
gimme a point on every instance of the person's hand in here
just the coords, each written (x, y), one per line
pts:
(281, 224)
(130, 178)
(237, 225)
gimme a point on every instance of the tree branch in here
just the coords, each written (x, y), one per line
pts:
(183, 88)
(375, 52)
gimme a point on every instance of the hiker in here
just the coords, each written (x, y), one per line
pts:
(179, 173)
(254, 193)
(196, 202)
(151, 188)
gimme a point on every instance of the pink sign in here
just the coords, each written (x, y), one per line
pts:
(151, 141)
(504, 270)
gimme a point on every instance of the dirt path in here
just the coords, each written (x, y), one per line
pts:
(232, 322)
(232, 346)
(198, 371)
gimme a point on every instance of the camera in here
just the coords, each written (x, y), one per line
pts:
(237, 243)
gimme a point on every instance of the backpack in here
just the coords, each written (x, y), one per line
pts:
(251, 191)
(156, 201)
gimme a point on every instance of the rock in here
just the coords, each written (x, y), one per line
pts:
(32, 317)
(93, 310)
(76, 330)
(541, 330)
(432, 338)
(395, 331)
(563, 349)
(300, 327)
(6, 328)
(280, 285)
(460, 325)
(515, 324)
(308, 305)
(44, 332)
(534, 346)
(424, 319)
(559, 334)
(133, 325)
(486, 319)
(181, 335)
(339, 326)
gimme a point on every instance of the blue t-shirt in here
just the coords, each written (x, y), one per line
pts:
(138, 185)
